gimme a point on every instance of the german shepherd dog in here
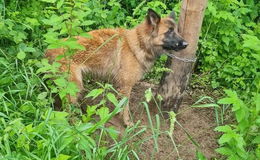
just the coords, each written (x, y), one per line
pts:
(125, 55)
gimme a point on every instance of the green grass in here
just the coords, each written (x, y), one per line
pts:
(29, 131)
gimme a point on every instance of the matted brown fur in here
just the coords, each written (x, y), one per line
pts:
(125, 55)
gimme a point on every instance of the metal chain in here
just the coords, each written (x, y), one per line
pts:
(186, 60)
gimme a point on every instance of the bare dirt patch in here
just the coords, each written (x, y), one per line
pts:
(199, 123)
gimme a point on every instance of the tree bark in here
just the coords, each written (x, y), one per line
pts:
(173, 84)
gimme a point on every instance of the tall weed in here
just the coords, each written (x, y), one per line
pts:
(241, 140)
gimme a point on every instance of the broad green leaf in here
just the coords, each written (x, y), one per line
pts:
(85, 126)
(103, 15)
(61, 82)
(225, 138)
(256, 140)
(243, 125)
(51, 37)
(251, 42)
(73, 44)
(55, 45)
(19, 36)
(22, 142)
(60, 3)
(225, 101)
(63, 157)
(42, 95)
(59, 115)
(240, 115)
(32, 21)
(240, 141)
(53, 20)
(29, 128)
(91, 110)
(58, 118)
(225, 129)
(237, 105)
(87, 23)
(103, 112)
(72, 89)
(21, 55)
(24, 47)
(112, 98)
(29, 49)
(225, 151)
(230, 93)
(256, 56)
(226, 40)
(95, 93)
(27, 107)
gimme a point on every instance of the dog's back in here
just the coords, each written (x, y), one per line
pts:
(101, 54)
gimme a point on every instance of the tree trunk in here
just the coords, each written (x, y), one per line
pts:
(173, 84)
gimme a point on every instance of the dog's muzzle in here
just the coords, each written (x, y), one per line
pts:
(176, 46)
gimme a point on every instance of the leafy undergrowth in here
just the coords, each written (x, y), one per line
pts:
(42, 133)
(241, 140)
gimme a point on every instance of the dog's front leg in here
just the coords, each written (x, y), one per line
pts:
(126, 91)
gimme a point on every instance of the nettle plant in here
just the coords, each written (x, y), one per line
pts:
(229, 44)
(241, 140)
(65, 19)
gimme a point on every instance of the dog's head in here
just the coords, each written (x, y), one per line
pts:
(163, 32)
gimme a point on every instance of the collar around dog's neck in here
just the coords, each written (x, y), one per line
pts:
(186, 60)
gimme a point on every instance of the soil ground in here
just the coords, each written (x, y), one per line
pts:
(199, 123)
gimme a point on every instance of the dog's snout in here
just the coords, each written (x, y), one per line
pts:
(180, 45)
(185, 44)
(174, 43)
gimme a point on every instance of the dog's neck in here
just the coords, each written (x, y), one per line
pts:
(140, 48)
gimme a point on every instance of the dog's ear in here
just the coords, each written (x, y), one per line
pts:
(153, 18)
(172, 15)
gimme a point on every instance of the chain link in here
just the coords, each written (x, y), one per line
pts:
(186, 60)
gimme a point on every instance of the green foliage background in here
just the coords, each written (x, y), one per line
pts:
(228, 57)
